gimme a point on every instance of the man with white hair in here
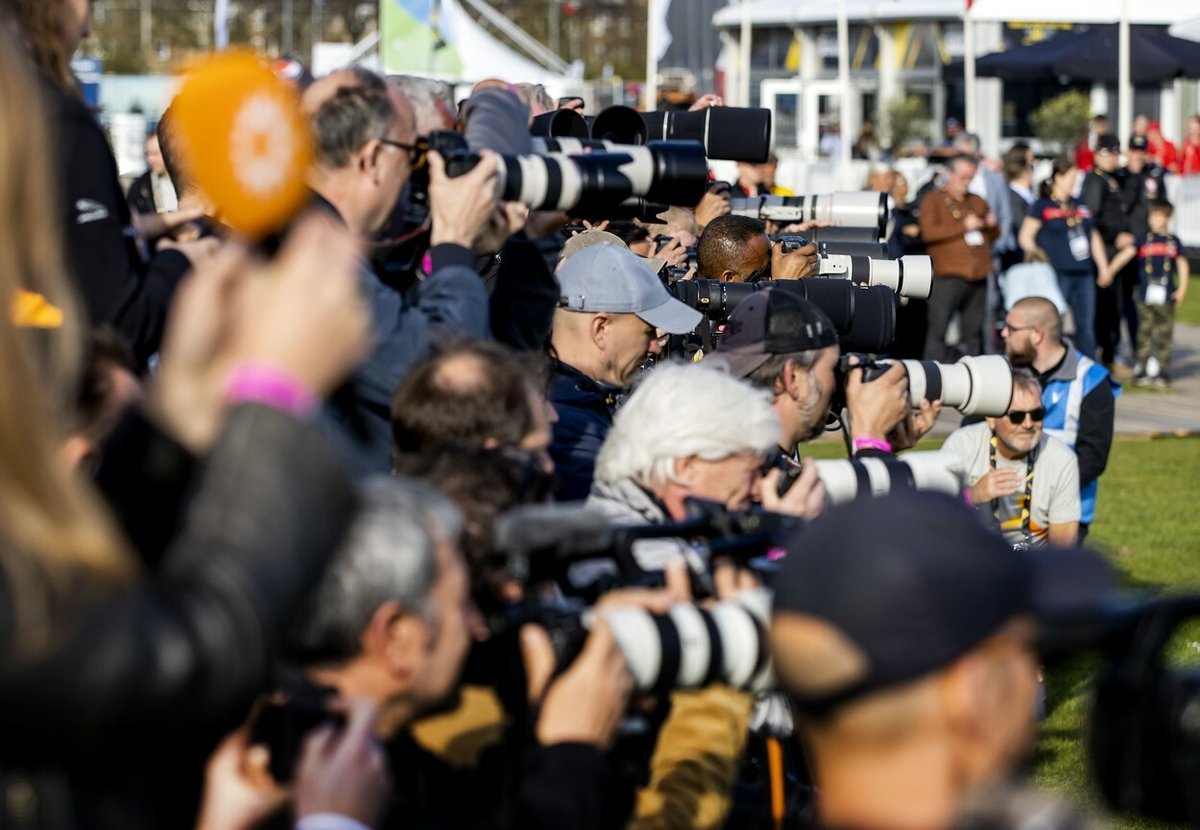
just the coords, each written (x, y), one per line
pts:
(691, 431)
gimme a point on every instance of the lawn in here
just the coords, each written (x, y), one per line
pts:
(1149, 527)
(1189, 312)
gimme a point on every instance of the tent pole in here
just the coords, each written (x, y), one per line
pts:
(744, 57)
(1124, 88)
(845, 135)
(972, 124)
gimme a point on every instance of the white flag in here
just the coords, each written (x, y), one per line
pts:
(221, 24)
(662, 34)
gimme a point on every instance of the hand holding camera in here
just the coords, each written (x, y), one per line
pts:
(793, 263)
(878, 405)
(804, 498)
(459, 206)
(343, 771)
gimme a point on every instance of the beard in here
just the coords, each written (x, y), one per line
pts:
(1020, 357)
(812, 414)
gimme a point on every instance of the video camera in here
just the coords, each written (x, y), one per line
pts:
(688, 647)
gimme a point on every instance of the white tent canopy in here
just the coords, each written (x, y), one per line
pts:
(1189, 29)
(798, 12)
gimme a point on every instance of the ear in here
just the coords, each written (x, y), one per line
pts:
(991, 422)
(685, 470)
(396, 638)
(75, 451)
(730, 276)
(368, 157)
(795, 379)
(598, 329)
(962, 689)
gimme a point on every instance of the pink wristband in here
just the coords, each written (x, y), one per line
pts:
(966, 496)
(871, 444)
(267, 385)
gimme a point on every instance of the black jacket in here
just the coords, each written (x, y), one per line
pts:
(117, 286)
(585, 414)
(112, 727)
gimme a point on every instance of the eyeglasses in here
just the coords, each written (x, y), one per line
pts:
(1006, 326)
(416, 152)
(1017, 416)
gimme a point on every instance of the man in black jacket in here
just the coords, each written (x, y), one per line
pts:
(1102, 195)
(611, 313)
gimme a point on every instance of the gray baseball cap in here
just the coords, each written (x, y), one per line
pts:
(613, 278)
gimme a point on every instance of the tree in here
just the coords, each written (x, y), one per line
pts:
(1062, 121)
(907, 118)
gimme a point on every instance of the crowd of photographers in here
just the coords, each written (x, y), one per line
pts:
(383, 520)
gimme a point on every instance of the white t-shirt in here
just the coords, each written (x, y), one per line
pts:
(1055, 493)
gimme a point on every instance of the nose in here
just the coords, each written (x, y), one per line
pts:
(656, 346)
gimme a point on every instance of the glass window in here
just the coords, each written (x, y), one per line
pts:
(787, 119)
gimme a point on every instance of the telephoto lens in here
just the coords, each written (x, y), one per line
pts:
(863, 478)
(980, 385)
(566, 123)
(844, 209)
(909, 276)
(690, 647)
(730, 133)
(666, 172)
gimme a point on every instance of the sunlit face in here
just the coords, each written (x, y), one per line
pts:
(756, 260)
(814, 405)
(1019, 339)
(1019, 439)
(449, 633)
(731, 481)
(958, 180)
(1064, 183)
(628, 341)
(1159, 220)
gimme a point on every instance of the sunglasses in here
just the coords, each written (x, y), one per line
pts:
(416, 152)
(1017, 417)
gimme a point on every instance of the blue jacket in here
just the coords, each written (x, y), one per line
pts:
(1079, 397)
(451, 302)
(585, 414)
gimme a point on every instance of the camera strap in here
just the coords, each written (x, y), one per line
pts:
(1027, 499)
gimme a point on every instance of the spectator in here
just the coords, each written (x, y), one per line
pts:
(365, 153)
(867, 146)
(1025, 482)
(737, 249)
(1162, 150)
(915, 687)
(1084, 158)
(152, 192)
(1018, 171)
(831, 141)
(1163, 272)
(1102, 196)
(990, 185)
(958, 229)
(759, 179)
(1077, 392)
(1060, 231)
(610, 317)
(117, 286)
(1190, 164)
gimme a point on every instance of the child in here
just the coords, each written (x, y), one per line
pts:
(1163, 280)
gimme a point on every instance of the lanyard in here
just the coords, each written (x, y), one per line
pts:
(1070, 213)
(1027, 500)
(953, 207)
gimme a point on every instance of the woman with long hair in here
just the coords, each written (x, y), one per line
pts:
(117, 286)
(1059, 230)
(111, 676)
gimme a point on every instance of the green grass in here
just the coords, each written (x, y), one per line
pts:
(1148, 524)
(1189, 312)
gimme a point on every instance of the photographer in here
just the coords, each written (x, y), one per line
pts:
(911, 656)
(365, 153)
(784, 344)
(737, 249)
(390, 622)
(610, 316)
(1026, 481)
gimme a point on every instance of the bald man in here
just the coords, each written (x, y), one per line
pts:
(1078, 394)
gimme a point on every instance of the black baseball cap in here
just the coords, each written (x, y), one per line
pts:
(1108, 142)
(915, 580)
(1139, 142)
(770, 322)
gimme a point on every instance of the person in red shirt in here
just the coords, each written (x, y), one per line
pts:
(1162, 150)
(1190, 165)
(1084, 157)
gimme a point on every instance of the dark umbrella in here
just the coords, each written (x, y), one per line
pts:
(1154, 57)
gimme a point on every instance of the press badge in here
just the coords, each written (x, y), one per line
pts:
(1156, 294)
(973, 238)
(1080, 248)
